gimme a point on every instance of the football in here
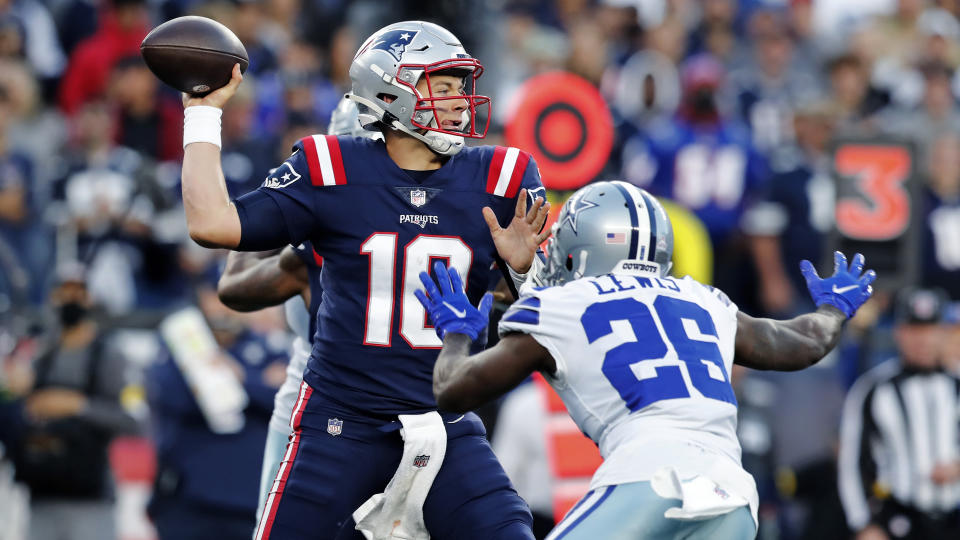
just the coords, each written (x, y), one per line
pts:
(193, 54)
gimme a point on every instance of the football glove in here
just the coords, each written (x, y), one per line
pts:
(448, 306)
(847, 289)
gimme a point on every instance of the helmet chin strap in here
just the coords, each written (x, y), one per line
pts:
(441, 143)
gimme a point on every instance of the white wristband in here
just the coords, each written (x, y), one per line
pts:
(517, 277)
(201, 123)
(532, 275)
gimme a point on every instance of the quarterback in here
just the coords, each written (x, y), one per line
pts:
(379, 213)
(642, 362)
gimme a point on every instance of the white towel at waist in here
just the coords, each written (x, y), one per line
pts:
(702, 496)
(397, 513)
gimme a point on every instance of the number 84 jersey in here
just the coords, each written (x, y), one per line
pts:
(643, 366)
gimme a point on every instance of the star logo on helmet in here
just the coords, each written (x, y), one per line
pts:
(575, 206)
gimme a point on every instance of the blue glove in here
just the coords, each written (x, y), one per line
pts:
(846, 289)
(449, 307)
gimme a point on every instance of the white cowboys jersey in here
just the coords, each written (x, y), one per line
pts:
(643, 366)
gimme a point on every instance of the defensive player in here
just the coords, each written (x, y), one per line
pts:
(642, 362)
(379, 213)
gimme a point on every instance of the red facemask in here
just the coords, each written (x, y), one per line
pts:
(474, 108)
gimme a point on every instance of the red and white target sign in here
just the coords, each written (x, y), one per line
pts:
(565, 123)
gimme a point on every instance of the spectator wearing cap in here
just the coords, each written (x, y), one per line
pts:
(899, 464)
(69, 416)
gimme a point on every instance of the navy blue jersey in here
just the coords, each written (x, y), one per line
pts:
(314, 263)
(377, 229)
(798, 205)
(941, 252)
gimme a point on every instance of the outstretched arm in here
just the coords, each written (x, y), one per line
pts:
(253, 281)
(802, 341)
(462, 382)
(787, 345)
(212, 219)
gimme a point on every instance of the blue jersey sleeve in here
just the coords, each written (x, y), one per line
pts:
(284, 210)
(522, 316)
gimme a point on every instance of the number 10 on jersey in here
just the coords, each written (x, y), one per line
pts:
(381, 248)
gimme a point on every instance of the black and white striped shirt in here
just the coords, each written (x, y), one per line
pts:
(897, 425)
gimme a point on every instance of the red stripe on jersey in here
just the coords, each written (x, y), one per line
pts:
(336, 159)
(317, 258)
(310, 150)
(494, 174)
(516, 179)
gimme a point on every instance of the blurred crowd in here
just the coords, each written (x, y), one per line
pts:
(726, 107)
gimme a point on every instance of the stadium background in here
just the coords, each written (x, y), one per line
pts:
(90, 144)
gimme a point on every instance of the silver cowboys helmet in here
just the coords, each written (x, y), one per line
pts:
(607, 226)
(345, 120)
(389, 65)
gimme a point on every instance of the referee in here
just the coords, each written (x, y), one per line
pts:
(899, 465)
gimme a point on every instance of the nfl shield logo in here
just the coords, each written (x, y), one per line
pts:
(418, 197)
(334, 426)
(421, 461)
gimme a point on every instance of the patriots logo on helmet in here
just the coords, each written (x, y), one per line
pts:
(394, 42)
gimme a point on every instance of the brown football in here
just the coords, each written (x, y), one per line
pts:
(193, 54)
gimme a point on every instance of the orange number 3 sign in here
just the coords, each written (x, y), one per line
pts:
(879, 208)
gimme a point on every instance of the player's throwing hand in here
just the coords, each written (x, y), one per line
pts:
(847, 289)
(218, 97)
(448, 306)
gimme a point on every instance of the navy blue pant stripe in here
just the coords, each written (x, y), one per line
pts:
(580, 503)
(588, 512)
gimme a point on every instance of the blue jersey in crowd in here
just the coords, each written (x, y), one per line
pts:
(377, 227)
(710, 169)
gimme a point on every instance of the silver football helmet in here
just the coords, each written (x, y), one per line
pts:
(345, 120)
(393, 60)
(605, 226)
